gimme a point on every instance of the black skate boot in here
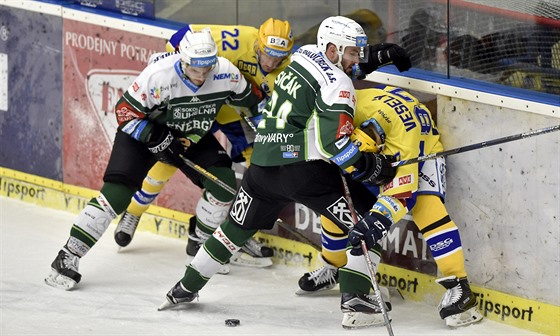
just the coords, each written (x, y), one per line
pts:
(318, 280)
(177, 295)
(256, 249)
(458, 305)
(194, 242)
(253, 254)
(361, 310)
(64, 270)
(126, 228)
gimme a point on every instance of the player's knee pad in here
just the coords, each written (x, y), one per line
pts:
(90, 225)
(333, 241)
(226, 175)
(210, 213)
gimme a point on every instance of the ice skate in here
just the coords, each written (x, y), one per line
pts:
(253, 254)
(458, 305)
(64, 273)
(256, 249)
(177, 295)
(126, 228)
(361, 311)
(321, 279)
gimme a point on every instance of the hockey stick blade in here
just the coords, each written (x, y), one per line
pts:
(477, 146)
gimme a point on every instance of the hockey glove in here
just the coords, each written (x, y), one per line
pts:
(383, 54)
(165, 146)
(372, 228)
(374, 168)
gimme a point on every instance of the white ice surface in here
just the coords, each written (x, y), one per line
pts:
(120, 292)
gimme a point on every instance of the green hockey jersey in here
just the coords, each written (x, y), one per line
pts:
(309, 115)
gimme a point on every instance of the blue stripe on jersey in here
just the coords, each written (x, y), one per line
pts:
(143, 198)
(444, 242)
(346, 155)
(135, 127)
(183, 77)
(333, 244)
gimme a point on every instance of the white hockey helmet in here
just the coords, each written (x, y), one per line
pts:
(342, 32)
(198, 48)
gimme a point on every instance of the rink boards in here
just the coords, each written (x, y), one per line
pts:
(494, 305)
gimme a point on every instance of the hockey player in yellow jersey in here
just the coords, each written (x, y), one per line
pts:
(260, 54)
(392, 121)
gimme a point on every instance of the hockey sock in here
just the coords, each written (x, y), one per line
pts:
(441, 235)
(90, 225)
(226, 240)
(333, 243)
(354, 277)
(151, 187)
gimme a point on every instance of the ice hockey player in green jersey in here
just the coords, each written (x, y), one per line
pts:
(301, 149)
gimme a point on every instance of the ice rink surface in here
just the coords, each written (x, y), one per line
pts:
(120, 291)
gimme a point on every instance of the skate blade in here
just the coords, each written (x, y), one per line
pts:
(358, 320)
(56, 280)
(460, 320)
(165, 305)
(319, 291)
(244, 259)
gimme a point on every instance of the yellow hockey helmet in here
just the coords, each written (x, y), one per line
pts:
(275, 38)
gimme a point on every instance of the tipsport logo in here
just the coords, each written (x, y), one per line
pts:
(241, 206)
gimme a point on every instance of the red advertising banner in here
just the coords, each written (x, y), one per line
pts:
(99, 64)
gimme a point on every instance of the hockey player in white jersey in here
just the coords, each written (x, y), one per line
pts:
(165, 115)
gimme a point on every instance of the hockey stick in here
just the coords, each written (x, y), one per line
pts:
(232, 191)
(477, 146)
(369, 263)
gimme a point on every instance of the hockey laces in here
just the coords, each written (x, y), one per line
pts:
(322, 275)
(254, 246)
(451, 296)
(71, 261)
(128, 223)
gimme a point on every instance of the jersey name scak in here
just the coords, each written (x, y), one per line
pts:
(307, 98)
